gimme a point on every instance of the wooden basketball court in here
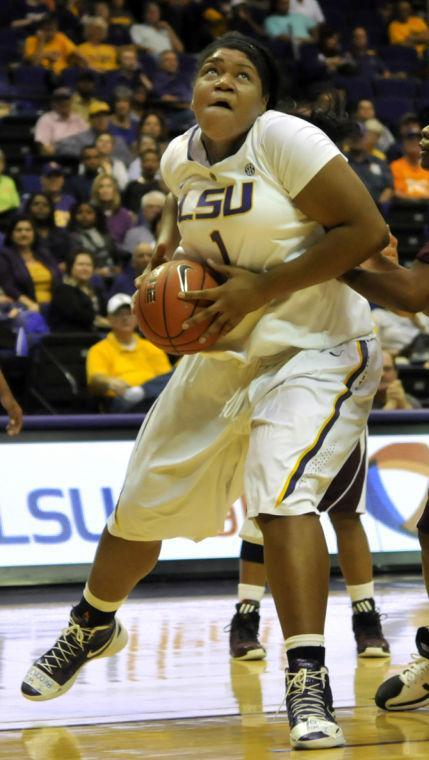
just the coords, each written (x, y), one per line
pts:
(174, 692)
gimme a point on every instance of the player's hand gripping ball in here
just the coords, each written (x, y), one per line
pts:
(160, 313)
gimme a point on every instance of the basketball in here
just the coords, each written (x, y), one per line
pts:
(160, 313)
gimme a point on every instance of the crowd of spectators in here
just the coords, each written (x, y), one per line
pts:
(102, 87)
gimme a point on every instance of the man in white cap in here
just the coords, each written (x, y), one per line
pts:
(123, 368)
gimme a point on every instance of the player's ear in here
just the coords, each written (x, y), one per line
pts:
(265, 99)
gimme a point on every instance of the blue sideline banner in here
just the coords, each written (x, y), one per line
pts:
(55, 498)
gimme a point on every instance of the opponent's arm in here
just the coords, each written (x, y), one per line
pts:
(10, 404)
(405, 289)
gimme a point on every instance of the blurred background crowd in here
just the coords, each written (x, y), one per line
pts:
(91, 93)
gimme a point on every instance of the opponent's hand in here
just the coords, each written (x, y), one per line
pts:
(382, 261)
(242, 293)
(424, 144)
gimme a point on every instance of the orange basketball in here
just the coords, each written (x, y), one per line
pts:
(160, 313)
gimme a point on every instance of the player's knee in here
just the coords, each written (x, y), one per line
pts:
(344, 519)
(252, 552)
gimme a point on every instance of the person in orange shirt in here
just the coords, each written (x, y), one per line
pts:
(98, 55)
(408, 29)
(410, 180)
(51, 48)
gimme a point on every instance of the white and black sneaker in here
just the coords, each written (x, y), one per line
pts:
(310, 709)
(56, 671)
(408, 690)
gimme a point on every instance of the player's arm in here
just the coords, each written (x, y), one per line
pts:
(404, 289)
(355, 231)
(169, 235)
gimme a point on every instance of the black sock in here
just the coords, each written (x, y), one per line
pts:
(305, 653)
(363, 605)
(90, 615)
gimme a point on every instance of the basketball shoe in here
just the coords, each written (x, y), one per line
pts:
(367, 630)
(309, 707)
(408, 690)
(56, 671)
(243, 632)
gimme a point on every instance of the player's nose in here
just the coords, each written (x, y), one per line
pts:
(224, 82)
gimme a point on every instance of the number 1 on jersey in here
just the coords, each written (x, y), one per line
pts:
(217, 238)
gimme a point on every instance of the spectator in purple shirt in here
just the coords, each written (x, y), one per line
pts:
(27, 272)
(173, 88)
(52, 181)
(40, 209)
(129, 72)
(147, 181)
(122, 122)
(106, 196)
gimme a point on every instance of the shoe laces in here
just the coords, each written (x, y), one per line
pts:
(414, 669)
(244, 626)
(71, 641)
(306, 697)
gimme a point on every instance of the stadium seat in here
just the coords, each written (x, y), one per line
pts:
(396, 88)
(57, 382)
(357, 88)
(400, 58)
(390, 110)
(415, 380)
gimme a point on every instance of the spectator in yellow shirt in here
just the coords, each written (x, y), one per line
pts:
(128, 371)
(98, 55)
(83, 99)
(408, 29)
(50, 48)
(410, 181)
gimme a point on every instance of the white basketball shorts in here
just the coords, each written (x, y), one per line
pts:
(346, 493)
(278, 431)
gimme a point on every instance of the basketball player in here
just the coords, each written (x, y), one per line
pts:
(408, 290)
(279, 404)
(11, 406)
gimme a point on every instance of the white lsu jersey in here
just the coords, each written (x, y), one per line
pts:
(241, 211)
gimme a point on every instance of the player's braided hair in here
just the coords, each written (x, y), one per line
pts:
(324, 106)
(257, 53)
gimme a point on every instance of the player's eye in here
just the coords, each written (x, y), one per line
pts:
(243, 75)
(210, 70)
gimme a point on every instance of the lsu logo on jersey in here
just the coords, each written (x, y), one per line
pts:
(215, 202)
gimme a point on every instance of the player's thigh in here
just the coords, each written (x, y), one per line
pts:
(306, 426)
